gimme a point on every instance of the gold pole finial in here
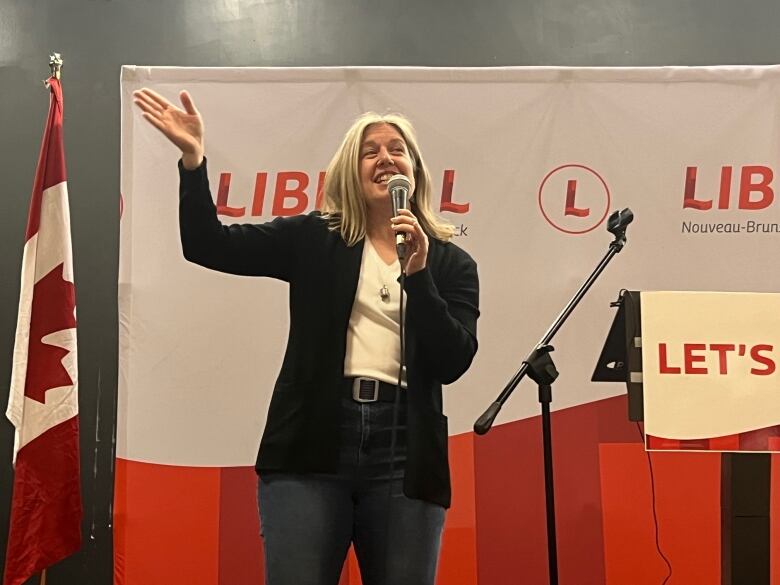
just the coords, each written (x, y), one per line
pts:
(55, 64)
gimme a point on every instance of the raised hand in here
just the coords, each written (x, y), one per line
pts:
(184, 128)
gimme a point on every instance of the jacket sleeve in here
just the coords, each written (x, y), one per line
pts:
(445, 316)
(244, 249)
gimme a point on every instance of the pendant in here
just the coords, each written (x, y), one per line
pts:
(384, 293)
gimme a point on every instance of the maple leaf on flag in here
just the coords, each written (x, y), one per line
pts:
(49, 315)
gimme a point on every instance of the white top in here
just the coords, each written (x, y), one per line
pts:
(373, 342)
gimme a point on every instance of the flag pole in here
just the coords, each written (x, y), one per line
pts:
(55, 68)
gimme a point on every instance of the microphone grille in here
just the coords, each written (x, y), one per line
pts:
(399, 181)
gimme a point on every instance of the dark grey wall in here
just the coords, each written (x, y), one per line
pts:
(95, 37)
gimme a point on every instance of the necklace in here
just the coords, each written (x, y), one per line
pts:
(383, 276)
(384, 293)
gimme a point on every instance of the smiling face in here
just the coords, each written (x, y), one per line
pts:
(383, 153)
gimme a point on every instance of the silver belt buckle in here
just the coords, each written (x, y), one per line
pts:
(365, 390)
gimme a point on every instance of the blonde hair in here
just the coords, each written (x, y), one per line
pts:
(343, 203)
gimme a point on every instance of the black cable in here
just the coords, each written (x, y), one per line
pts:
(655, 514)
(624, 297)
(396, 410)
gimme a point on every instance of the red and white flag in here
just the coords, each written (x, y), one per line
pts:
(43, 405)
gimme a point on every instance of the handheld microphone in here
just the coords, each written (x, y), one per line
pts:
(399, 187)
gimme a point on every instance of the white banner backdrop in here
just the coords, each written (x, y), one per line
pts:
(531, 159)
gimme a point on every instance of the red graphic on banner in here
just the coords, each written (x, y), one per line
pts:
(222, 198)
(291, 197)
(446, 194)
(694, 358)
(571, 194)
(765, 439)
(574, 199)
(290, 186)
(755, 190)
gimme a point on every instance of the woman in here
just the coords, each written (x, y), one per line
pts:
(345, 457)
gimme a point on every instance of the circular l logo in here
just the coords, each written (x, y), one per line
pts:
(574, 199)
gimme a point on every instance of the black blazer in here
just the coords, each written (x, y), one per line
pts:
(302, 427)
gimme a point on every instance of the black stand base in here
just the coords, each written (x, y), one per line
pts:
(745, 486)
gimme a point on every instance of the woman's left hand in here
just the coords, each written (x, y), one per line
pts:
(416, 240)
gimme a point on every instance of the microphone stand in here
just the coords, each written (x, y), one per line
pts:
(540, 368)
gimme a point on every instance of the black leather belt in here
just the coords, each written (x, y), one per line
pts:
(371, 390)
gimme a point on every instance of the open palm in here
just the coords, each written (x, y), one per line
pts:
(183, 127)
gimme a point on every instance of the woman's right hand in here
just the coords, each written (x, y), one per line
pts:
(182, 127)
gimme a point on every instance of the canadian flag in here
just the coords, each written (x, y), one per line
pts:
(43, 405)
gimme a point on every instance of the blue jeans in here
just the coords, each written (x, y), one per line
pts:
(308, 520)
